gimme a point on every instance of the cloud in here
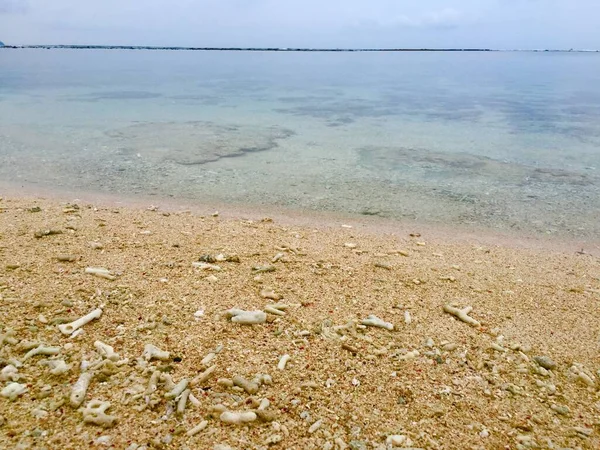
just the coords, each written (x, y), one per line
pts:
(13, 6)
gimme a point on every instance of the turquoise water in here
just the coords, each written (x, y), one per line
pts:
(507, 141)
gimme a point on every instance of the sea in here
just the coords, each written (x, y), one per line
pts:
(503, 141)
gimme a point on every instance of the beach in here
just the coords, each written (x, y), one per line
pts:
(396, 335)
(269, 225)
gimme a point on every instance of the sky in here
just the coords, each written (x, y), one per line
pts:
(305, 23)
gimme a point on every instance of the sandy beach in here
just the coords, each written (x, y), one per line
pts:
(395, 337)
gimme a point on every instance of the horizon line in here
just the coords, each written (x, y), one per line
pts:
(286, 49)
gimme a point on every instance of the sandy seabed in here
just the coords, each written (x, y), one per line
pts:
(524, 374)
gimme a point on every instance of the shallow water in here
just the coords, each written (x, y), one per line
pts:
(500, 140)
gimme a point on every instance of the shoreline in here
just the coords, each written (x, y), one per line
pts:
(288, 49)
(318, 219)
(356, 342)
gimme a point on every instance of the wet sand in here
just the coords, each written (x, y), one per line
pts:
(432, 382)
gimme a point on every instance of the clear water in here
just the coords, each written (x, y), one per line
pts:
(499, 140)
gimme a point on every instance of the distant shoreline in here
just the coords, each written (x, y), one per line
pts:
(286, 49)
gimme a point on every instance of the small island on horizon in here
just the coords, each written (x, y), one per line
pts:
(281, 49)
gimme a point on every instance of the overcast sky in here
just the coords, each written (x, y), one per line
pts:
(316, 23)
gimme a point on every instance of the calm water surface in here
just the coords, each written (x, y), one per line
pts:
(499, 140)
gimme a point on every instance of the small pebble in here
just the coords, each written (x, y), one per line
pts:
(561, 410)
(283, 362)
(273, 439)
(545, 362)
(350, 348)
(315, 426)
(66, 258)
